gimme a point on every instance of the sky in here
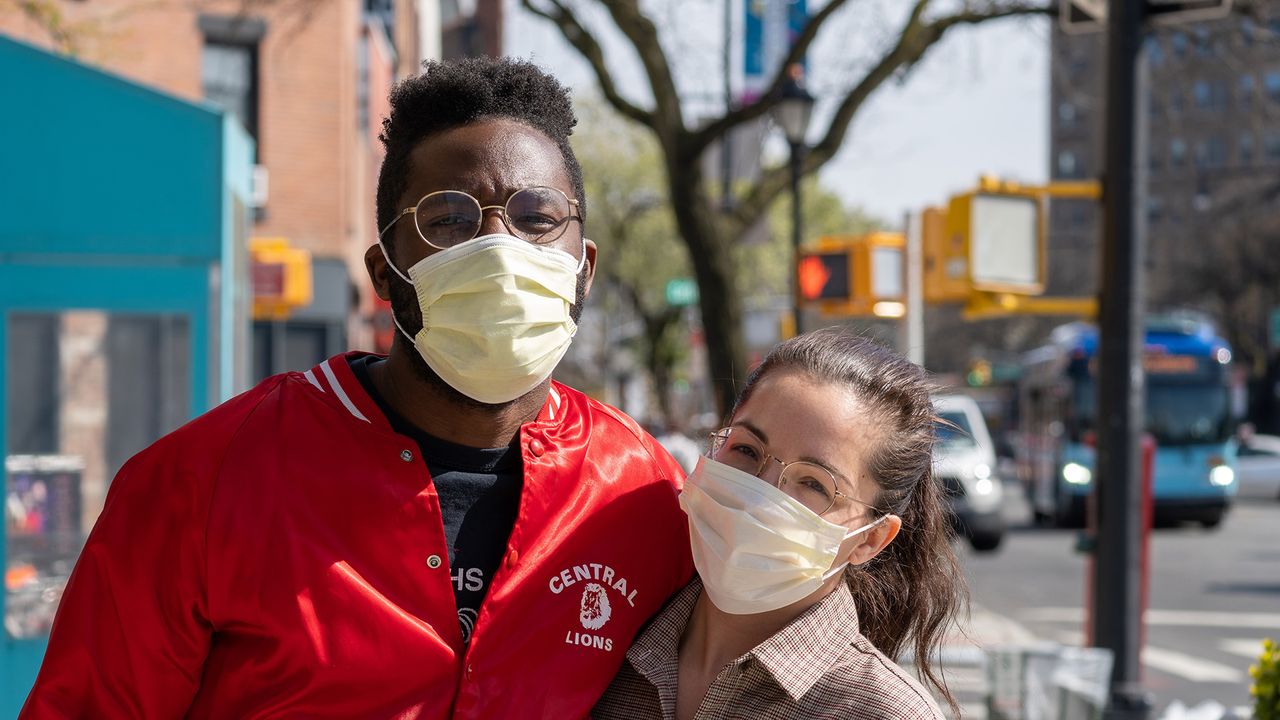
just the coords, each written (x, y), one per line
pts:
(977, 103)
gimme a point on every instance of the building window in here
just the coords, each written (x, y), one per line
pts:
(1271, 146)
(229, 67)
(1179, 43)
(1246, 88)
(1244, 149)
(1271, 85)
(1067, 165)
(1155, 208)
(1067, 114)
(1175, 100)
(1177, 152)
(1155, 53)
(1247, 30)
(1211, 153)
(1216, 151)
(1200, 91)
(1204, 44)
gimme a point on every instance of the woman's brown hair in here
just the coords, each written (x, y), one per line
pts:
(910, 592)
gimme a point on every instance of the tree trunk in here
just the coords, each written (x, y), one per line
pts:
(712, 258)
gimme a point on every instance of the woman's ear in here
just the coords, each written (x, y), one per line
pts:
(875, 540)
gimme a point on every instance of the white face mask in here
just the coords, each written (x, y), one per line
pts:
(755, 547)
(495, 314)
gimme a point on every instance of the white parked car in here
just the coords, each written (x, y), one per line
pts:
(965, 461)
(1258, 467)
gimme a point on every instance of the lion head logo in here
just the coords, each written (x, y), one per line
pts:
(595, 610)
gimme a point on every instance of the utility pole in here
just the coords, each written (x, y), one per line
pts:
(1117, 613)
(726, 140)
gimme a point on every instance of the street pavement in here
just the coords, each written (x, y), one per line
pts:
(1215, 594)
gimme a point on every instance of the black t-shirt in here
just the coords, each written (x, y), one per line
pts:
(479, 492)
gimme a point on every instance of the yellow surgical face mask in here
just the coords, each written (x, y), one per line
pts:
(495, 314)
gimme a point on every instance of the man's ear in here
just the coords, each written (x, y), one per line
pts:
(375, 262)
(590, 266)
(875, 540)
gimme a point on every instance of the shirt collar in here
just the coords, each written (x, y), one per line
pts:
(802, 652)
(796, 656)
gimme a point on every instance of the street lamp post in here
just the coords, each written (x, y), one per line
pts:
(795, 106)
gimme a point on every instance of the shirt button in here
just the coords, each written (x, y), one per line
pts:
(406, 456)
(433, 562)
(536, 447)
(512, 558)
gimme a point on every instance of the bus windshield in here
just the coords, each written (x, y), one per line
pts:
(1177, 414)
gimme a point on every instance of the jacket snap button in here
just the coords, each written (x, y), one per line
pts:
(433, 562)
(470, 671)
(536, 447)
(406, 456)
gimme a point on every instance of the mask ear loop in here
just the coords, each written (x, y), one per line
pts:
(383, 247)
(840, 568)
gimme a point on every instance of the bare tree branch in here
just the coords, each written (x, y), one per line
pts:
(587, 46)
(643, 35)
(917, 36)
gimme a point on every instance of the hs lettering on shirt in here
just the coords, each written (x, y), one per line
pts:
(594, 609)
(470, 579)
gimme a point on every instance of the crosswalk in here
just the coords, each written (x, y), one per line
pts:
(1224, 660)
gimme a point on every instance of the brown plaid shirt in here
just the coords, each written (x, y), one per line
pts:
(818, 666)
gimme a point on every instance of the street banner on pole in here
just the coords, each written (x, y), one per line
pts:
(769, 29)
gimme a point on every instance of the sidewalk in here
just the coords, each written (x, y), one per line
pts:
(962, 659)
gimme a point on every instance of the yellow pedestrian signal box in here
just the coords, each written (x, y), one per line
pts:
(946, 259)
(1001, 226)
(281, 277)
(853, 275)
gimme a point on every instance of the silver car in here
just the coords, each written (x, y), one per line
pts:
(964, 459)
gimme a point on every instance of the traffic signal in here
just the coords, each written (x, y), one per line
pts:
(979, 374)
(824, 276)
(281, 277)
(853, 275)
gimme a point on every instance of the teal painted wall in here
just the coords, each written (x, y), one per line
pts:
(97, 165)
(116, 197)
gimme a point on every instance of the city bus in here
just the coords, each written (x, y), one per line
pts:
(1188, 414)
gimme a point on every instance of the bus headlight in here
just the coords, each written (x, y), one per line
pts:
(982, 471)
(984, 486)
(1076, 474)
(1222, 475)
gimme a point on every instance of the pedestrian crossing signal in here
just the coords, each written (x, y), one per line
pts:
(824, 276)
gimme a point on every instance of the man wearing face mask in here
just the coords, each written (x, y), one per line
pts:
(442, 532)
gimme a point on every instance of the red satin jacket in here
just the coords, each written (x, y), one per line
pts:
(283, 556)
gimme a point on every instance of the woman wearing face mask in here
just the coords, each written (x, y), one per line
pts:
(822, 547)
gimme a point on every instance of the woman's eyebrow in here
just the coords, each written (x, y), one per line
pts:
(807, 458)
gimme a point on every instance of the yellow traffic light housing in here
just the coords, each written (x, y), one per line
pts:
(853, 275)
(1002, 226)
(946, 259)
(281, 278)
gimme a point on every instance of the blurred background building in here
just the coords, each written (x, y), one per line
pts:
(1213, 174)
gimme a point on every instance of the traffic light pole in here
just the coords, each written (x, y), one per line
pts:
(797, 231)
(1116, 584)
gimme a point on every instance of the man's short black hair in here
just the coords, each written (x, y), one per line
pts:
(454, 93)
